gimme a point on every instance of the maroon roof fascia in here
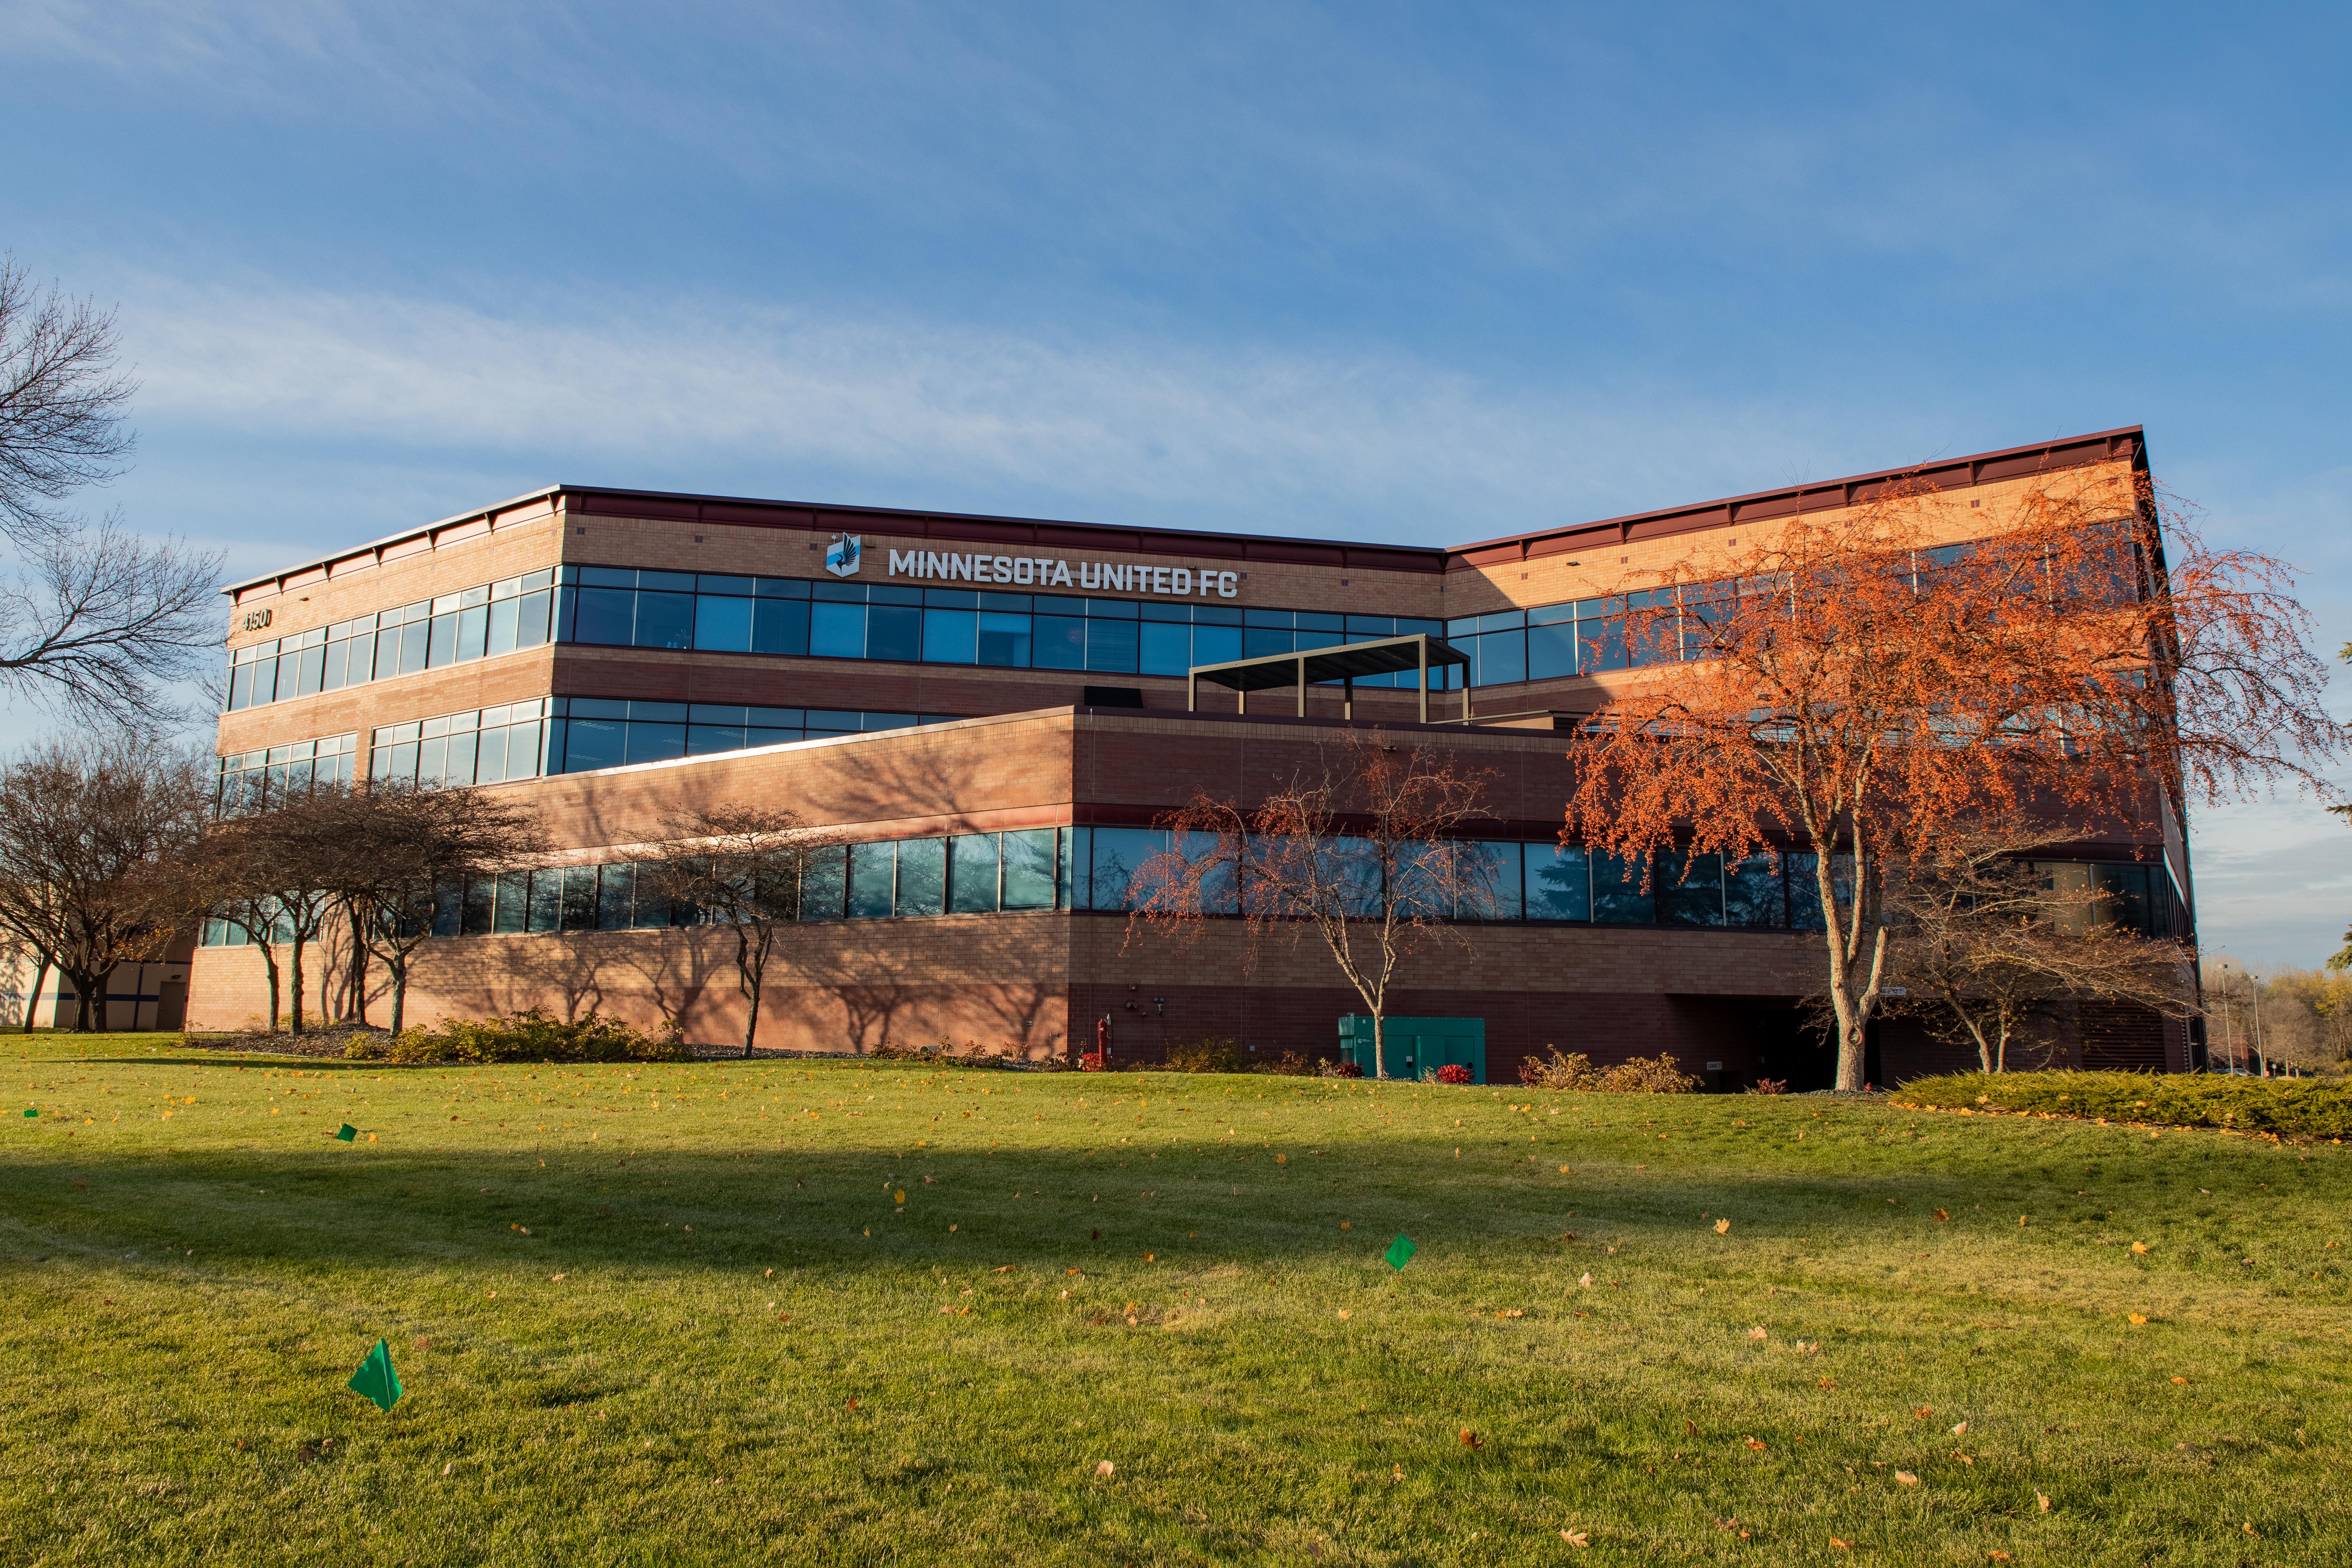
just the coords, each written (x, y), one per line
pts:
(975, 528)
(2127, 441)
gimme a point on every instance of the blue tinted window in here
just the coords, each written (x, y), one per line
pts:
(823, 885)
(1166, 649)
(1502, 658)
(1118, 854)
(971, 874)
(1216, 645)
(922, 877)
(1690, 890)
(780, 625)
(1617, 895)
(873, 880)
(1752, 894)
(592, 743)
(1004, 639)
(1259, 641)
(1058, 643)
(894, 631)
(605, 616)
(1551, 651)
(1029, 869)
(723, 625)
(665, 620)
(1559, 883)
(837, 631)
(1111, 645)
(654, 742)
(608, 576)
(947, 636)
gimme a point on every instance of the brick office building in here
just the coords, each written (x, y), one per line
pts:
(994, 711)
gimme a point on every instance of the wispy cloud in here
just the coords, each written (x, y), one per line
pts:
(1376, 442)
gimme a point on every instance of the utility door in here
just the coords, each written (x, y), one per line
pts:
(1417, 1047)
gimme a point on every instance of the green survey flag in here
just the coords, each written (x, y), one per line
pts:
(1401, 1251)
(375, 1378)
(346, 1133)
(30, 1111)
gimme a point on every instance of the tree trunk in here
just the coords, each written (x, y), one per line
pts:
(752, 1024)
(33, 996)
(399, 969)
(83, 985)
(294, 986)
(358, 1005)
(1380, 1044)
(269, 966)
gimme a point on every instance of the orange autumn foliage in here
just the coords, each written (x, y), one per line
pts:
(1871, 679)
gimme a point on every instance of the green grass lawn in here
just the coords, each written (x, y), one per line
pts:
(679, 1313)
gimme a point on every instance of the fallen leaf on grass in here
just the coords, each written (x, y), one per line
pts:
(2139, 1246)
(1754, 1444)
(1345, 1314)
(1841, 1545)
(2182, 1380)
(1941, 1215)
(1757, 1332)
(1006, 1269)
(1723, 1227)
(2044, 1498)
(1924, 1410)
(1575, 1538)
(1106, 1469)
(2136, 1319)
(1471, 1439)
(1999, 1556)
(1513, 1312)
(1961, 1429)
(1906, 1478)
(1586, 1281)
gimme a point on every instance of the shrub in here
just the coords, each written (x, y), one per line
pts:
(1638, 1075)
(1092, 1062)
(1210, 1053)
(1769, 1086)
(526, 1037)
(1340, 1069)
(1292, 1063)
(2302, 1108)
(1454, 1072)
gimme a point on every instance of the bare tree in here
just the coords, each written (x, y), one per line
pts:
(1987, 943)
(94, 840)
(268, 874)
(1364, 850)
(403, 855)
(744, 868)
(97, 620)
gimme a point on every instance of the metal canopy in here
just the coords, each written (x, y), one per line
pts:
(1347, 664)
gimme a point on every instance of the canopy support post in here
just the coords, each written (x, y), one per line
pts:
(1302, 686)
(1421, 646)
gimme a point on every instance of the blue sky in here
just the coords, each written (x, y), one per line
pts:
(1426, 273)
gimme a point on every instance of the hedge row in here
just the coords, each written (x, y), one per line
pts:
(530, 1037)
(2296, 1108)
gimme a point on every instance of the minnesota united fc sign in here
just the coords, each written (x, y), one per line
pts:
(842, 558)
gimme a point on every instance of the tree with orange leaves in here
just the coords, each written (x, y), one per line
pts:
(1365, 850)
(1870, 681)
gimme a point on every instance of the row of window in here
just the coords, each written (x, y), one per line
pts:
(1095, 869)
(474, 623)
(256, 781)
(625, 607)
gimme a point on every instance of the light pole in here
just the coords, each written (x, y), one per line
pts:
(2255, 1005)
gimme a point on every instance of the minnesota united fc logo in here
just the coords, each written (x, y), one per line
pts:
(846, 551)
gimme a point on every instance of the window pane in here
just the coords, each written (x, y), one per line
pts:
(1166, 649)
(780, 625)
(1003, 639)
(837, 631)
(1259, 641)
(592, 744)
(894, 631)
(654, 742)
(412, 642)
(1559, 883)
(1118, 854)
(605, 616)
(512, 913)
(1617, 896)
(972, 882)
(1551, 651)
(522, 751)
(1752, 895)
(1215, 645)
(1690, 890)
(703, 740)
(530, 621)
(1110, 645)
(546, 904)
(448, 909)
(665, 620)
(1600, 644)
(1805, 888)
(1029, 869)
(579, 897)
(309, 664)
(1065, 840)
(947, 636)
(441, 647)
(490, 759)
(616, 888)
(822, 886)
(723, 625)
(872, 869)
(459, 767)
(1490, 883)
(473, 632)
(1059, 643)
(501, 634)
(922, 877)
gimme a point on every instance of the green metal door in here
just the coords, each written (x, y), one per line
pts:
(1418, 1046)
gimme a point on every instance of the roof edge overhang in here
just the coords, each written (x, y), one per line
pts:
(1981, 467)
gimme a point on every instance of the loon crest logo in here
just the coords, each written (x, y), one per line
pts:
(846, 551)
